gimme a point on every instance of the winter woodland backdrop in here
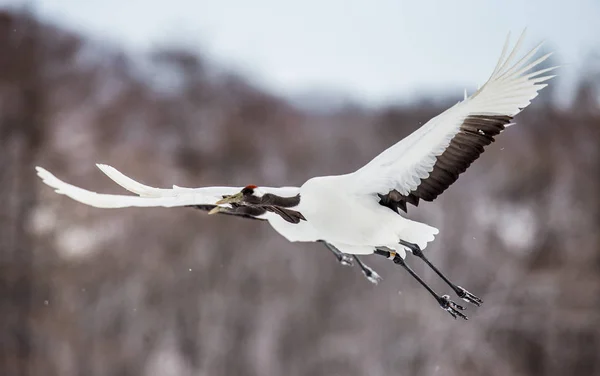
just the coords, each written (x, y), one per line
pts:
(89, 292)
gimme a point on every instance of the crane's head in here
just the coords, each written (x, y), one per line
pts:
(250, 195)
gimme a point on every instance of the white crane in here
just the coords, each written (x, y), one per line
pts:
(358, 213)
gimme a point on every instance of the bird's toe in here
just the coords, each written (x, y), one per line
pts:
(346, 260)
(372, 276)
(468, 297)
(452, 308)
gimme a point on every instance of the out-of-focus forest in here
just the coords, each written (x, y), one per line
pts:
(156, 291)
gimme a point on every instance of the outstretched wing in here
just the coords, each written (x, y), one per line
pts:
(200, 198)
(428, 161)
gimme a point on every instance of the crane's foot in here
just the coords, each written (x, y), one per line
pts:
(371, 275)
(451, 307)
(468, 297)
(345, 259)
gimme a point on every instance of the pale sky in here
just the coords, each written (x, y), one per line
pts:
(375, 51)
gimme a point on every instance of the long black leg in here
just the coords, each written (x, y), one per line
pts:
(371, 275)
(444, 301)
(343, 258)
(461, 292)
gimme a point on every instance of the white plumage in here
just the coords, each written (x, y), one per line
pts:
(359, 212)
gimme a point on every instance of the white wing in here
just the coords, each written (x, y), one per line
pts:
(425, 163)
(148, 196)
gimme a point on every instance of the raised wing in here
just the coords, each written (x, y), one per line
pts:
(200, 198)
(428, 161)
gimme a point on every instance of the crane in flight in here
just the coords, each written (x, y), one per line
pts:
(361, 212)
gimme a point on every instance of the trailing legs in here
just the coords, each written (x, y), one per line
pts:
(461, 292)
(444, 301)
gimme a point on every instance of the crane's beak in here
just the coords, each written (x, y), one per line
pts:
(233, 199)
(216, 209)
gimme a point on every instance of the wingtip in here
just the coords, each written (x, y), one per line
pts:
(522, 35)
(43, 173)
(50, 180)
(524, 32)
(103, 167)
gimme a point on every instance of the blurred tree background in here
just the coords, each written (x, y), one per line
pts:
(86, 291)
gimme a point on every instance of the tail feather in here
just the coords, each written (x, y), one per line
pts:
(418, 233)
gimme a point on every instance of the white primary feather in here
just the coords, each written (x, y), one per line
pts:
(149, 196)
(402, 166)
(132, 185)
(147, 191)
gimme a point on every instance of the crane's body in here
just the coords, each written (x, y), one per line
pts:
(359, 212)
(357, 218)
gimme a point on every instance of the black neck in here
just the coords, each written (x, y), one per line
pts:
(284, 202)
